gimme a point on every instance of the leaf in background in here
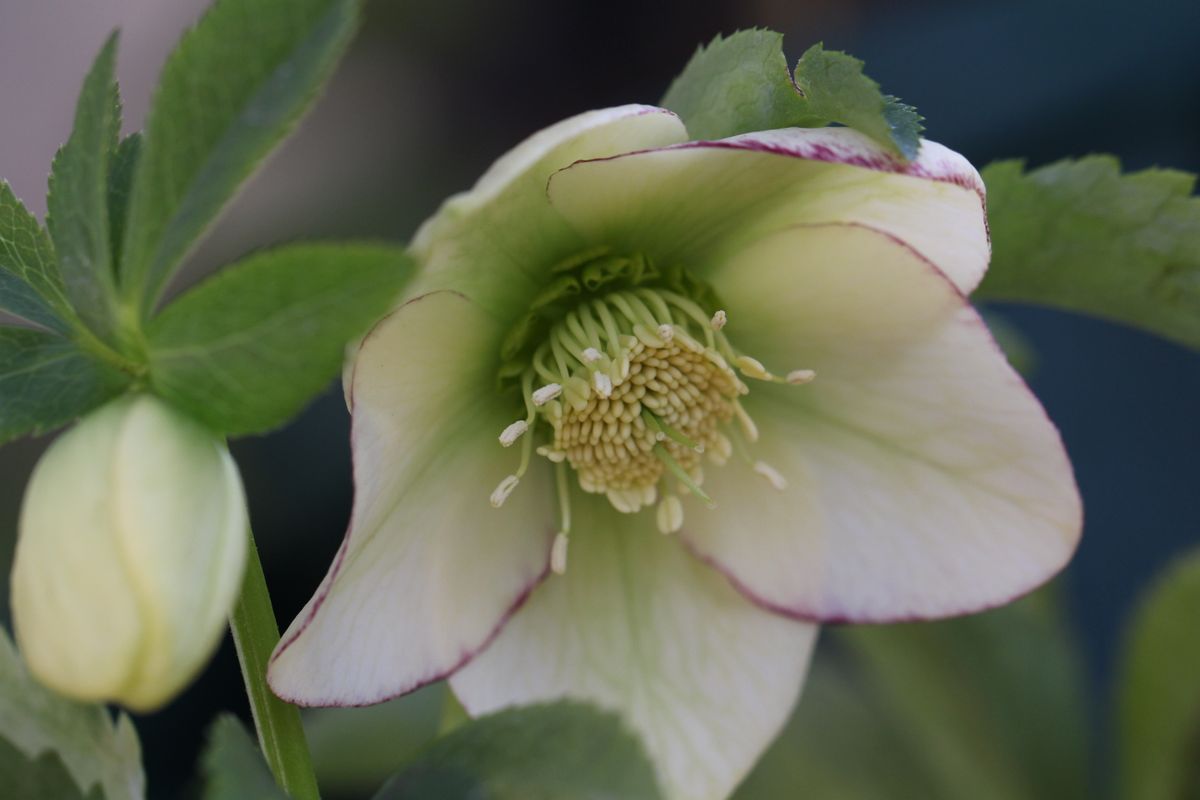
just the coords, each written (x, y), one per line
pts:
(354, 750)
(29, 284)
(41, 778)
(120, 186)
(836, 90)
(1081, 236)
(989, 707)
(94, 751)
(236, 84)
(246, 350)
(1159, 692)
(736, 84)
(77, 205)
(47, 381)
(234, 768)
(741, 83)
(557, 751)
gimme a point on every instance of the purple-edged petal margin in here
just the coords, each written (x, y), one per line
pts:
(428, 571)
(923, 478)
(699, 202)
(638, 626)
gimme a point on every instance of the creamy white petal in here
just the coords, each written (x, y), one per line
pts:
(696, 203)
(638, 626)
(923, 478)
(496, 241)
(429, 570)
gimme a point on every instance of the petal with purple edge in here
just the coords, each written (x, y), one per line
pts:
(923, 479)
(636, 625)
(495, 241)
(696, 203)
(428, 571)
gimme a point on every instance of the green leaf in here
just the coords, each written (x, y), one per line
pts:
(741, 84)
(247, 349)
(354, 750)
(1081, 236)
(81, 737)
(46, 381)
(235, 86)
(1159, 692)
(29, 284)
(234, 768)
(989, 707)
(42, 777)
(120, 186)
(836, 90)
(558, 751)
(77, 205)
(735, 85)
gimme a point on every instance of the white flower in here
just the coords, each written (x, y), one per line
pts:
(131, 549)
(760, 346)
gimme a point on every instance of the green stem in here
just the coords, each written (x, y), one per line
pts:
(255, 634)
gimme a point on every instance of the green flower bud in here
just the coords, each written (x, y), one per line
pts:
(130, 556)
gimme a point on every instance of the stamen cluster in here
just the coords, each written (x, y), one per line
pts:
(635, 386)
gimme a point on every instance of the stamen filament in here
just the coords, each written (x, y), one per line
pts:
(513, 432)
(669, 515)
(773, 476)
(658, 426)
(558, 554)
(564, 496)
(680, 473)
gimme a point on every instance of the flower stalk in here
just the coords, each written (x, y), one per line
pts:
(280, 734)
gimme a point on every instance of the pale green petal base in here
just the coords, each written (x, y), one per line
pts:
(639, 626)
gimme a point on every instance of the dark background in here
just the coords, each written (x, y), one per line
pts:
(433, 91)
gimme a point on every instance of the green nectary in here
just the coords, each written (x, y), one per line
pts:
(591, 273)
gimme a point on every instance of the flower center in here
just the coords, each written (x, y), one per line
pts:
(635, 387)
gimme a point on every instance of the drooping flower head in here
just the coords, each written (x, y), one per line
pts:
(759, 346)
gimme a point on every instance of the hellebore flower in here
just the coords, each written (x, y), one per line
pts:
(130, 555)
(760, 346)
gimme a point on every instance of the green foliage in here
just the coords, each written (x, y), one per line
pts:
(46, 381)
(30, 287)
(354, 750)
(1081, 236)
(77, 204)
(741, 83)
(39, 778)
(989, 707)
(50, 733)
(558, 751)
(234, 768)
(1159, 702)
(236, 84)
(836, 90)
(120, 186)
(245, 350)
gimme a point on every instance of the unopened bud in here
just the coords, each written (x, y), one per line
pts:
(132, 544)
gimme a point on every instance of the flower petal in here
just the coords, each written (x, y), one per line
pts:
(695, 203)
(496, 241)
(429, 570)
(638, 626)
(923, 478)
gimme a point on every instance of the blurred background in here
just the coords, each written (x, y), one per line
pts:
(433, 91)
